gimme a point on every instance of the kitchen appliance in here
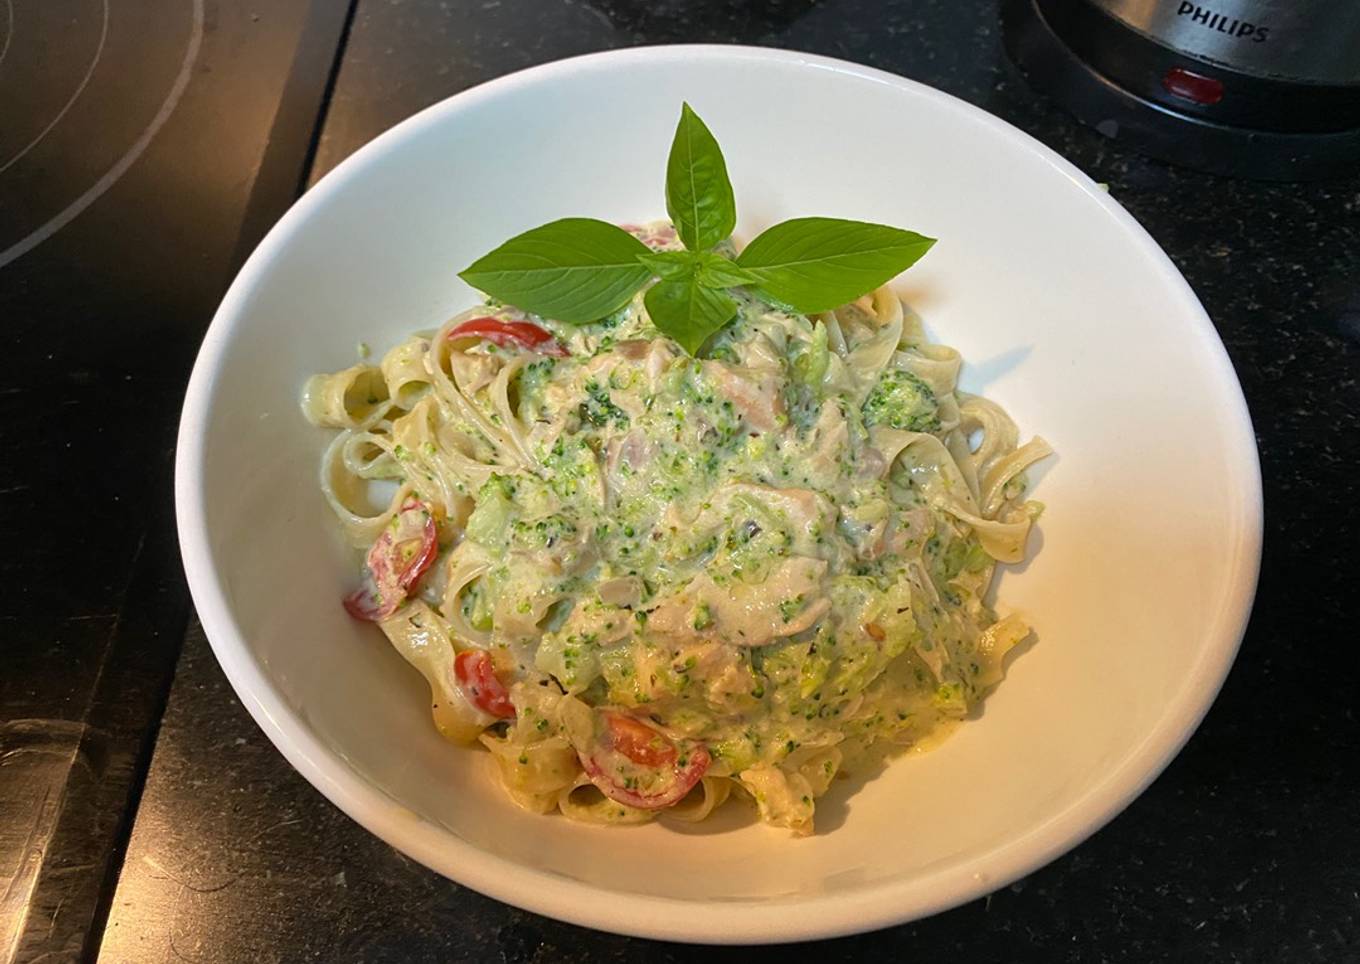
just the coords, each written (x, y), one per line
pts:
(1266, 89)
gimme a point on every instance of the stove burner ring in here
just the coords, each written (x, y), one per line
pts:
(80, 88)
(9, 29)
(92, 194)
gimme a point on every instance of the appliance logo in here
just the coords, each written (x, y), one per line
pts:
(1222, 23)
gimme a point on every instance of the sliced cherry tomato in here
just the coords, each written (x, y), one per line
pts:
(638, 741)
(395, 562)
(365, 604)
(477, 675)
(638, 765)
(511, 334)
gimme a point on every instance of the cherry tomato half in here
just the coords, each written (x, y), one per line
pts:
(638, 741)
(636, 764)
(395, 562)
(511, 334)
(477, 675)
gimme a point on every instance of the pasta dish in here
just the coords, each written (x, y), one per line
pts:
(646, 582)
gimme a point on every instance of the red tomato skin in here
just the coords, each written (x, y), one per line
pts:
(638, 741)
(520, 334)
(642, 743)
(385, 586)
(476, 674)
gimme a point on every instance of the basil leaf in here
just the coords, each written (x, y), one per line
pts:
(688, 312)
(669, 264)
(816, 264)
(715, 271)
(698, 192)
(575, 270)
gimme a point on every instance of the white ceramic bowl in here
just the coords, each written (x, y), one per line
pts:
(1066, 312)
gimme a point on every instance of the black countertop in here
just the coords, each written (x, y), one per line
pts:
(139, 142)
(1246, 848)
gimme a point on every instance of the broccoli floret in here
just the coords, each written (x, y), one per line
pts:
(533, 378)
(543, 533)
(497, 486)
(495, 509)
(599, 408)
(903, 401)
(810, 366)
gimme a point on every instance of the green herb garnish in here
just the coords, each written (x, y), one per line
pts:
(579, 270)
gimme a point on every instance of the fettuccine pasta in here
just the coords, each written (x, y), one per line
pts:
(648, 583)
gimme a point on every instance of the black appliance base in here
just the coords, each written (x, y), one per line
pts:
(1154, 129)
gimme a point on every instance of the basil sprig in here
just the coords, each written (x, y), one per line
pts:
(578, 270)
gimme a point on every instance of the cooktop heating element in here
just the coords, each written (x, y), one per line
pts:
(81, 96)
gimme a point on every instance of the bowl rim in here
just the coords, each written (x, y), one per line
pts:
(827, 915)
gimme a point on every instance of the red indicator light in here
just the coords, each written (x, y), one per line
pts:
(1192, 86)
